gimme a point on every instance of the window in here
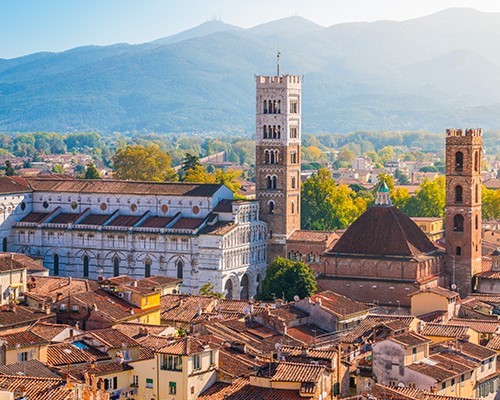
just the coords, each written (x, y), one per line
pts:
(476, 161)
(294, 182)
(293, 158)
(147, 268)
(293, 132)
(85, 266)
(149, 383)
(22, 356)
(212, 357)
(293, 207)
(458, 251)
(172, 388)
(443, 386)
(458, 194)
(264, 132)
(458, 223)
(116, 266)
(294, 107)
(74, 308)
(196, 362)
(56, 264)
(135, 381)
(271, 207)
(180, 269)
(4, 245)
(171, 362)
(414, 354)
(459, 161)
(62, 307)
(476, 193)
(271, 182)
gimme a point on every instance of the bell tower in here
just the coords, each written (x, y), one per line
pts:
(463, 208)
(278, 136)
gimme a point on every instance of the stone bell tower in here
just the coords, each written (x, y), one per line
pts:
(463, 208)
(278, 136)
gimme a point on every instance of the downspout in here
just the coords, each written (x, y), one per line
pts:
(157, 376)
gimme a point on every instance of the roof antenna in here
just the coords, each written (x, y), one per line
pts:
(278, 63)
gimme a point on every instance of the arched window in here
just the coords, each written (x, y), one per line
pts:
(269, 182)
(293, 207)
(180, 269)
(273, 182)
(476, 222)
(272, 156)
(459, 161)
(458, 251)
(271, 207)
(56, 264)
(116, 266)
(458, 194)
(274, 107)
(279, 132)
(245, 288)
(4, 244)
(264, 131)
(476, 193)
(265, 106)
(228, 289)
(458, 223)
(274, 131)
(476, 161)
(85, 266)
(147, 268)
(294, 182)
(279, 106)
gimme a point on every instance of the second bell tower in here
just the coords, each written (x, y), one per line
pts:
(278, 137)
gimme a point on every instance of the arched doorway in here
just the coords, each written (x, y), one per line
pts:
(245, 288)
(4, 244)
(228, 289)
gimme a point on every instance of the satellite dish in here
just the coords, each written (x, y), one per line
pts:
(296, 298)
(453, 286)
(246, 310)
(401, 385)
(277, 346)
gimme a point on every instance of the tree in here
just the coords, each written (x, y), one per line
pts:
(388, 179)
(286, 279)
(430, 198)
(9, 171)
(58, 169)
(491, 203)
(208, 290)
(143, 163)
(228, 177)
(326, 206)
(401, 177)
(190, 161)
(198, 174)
(92, 172)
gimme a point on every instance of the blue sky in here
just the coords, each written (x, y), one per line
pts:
(28, 26)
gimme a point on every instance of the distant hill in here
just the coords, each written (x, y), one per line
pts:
(428, 73)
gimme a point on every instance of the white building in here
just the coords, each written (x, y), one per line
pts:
(103, 228)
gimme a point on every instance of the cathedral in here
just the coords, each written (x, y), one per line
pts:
(200, 234)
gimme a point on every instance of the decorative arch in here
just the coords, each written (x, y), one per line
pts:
(86, 263)
(476, 161)
(116, 265)
(147, 267)
(228, 289)
(458, 251)
(245, 287)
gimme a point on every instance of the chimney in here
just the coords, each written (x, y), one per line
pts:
(58, 296)
(69, 280)
(131, 310)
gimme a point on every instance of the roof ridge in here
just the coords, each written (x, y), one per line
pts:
(392, 208)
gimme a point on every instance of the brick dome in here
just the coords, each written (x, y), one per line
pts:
(384, 231)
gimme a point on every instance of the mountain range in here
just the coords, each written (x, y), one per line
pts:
(428, 73)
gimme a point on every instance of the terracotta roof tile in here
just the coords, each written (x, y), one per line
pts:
(37, 217)
(154, 342)
(10, 185)
(288, 313)
(494, 343)
(235, 363)
(51, 286)
(65, 218)
(185, 346)
(434, 371)
(410, 339)
(188, 223)
(305, 333)
(23, 339)
(224, 206)
(100, 369)
(184, 308)
(156, 222)
(297, 372)
(479, 325)
(112, 338)
(384, 231)
(95, 219)
(449, 294)
(380, 391)
(312, 236)
(323, 353)
(48, 331)
(77, 353)
(449, 330)
(136, 330)
(11, 316)
(36, 388)
(219, 228)
(240, 389)
(128, 187)
(29, 368)
(338, 304)
(125, 220)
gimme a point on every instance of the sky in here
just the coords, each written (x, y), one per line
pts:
(28, 26)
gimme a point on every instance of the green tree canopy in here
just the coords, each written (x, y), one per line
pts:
(143, 163)
(326, 206)
(190, 161)
(491, 203)
(9, 171)
(286, 279)
(91, 172)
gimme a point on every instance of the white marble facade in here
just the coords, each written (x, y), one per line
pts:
(83, 229)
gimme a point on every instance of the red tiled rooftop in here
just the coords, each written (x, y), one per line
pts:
(125, 220)
(156, 222)
(37, 217)
(65, 218)
(312, 236)
(188, 223)
(95, 219)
